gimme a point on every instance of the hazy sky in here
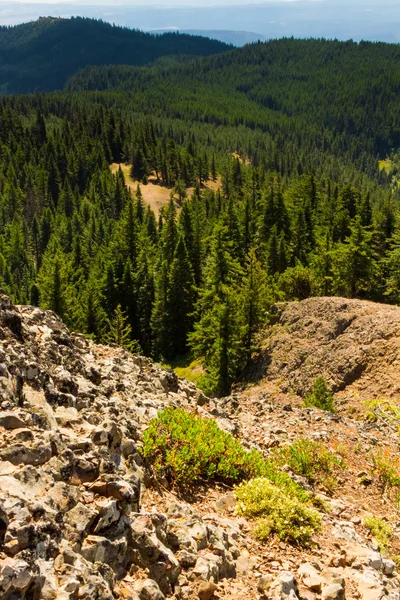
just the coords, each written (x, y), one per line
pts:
(342, 19)
(170, 3)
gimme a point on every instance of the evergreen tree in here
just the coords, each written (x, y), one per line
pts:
(180, 301)
(120, 332)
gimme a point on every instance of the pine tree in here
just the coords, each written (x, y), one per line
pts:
(180, 301)
(120, 332)
(353, 263)
(169, 232)
(254, 297)
(159, 325)
(144, 285)
(220, 331)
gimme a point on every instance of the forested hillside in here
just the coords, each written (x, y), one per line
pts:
(44, 53)
(291, 132)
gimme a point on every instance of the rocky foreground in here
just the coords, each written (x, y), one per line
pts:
(80, 517)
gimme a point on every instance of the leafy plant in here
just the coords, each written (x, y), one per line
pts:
(320, 397)
(312, 460)
(380, 530)
(186, 448)
(276, 512)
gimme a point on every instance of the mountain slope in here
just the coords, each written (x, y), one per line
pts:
(342, 94)
(45, 53)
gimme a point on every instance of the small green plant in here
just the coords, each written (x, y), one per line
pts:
(312, 460)
(380, 530)
(382, 410)
(387, 467)
(276, 512)
(320, 397)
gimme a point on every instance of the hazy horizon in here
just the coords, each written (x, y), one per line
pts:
(339, 19)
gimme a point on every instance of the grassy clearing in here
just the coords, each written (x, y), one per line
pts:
(187, 368)
(155, 193)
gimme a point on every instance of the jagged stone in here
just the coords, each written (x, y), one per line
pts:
(15, 576)
(284, 587)
(149, 590)
(100, 549)
(10, 420)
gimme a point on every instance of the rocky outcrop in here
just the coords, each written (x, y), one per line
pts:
(354, 344)
(71, 473)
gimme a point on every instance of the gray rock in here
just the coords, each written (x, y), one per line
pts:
(150, 591)
(333, 591)
(10, 420)
(98, 549)
(15, 575)
(284, 587)
(388, 566)
(20, 454)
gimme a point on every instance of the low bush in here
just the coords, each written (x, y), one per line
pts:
(185, 448)
(320, 397)
(380, 530)
(276, 512)
(312, 460)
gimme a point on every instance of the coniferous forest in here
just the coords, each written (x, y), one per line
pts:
(299, 139)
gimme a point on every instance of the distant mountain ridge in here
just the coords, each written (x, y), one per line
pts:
(43, 54)
(237, 38)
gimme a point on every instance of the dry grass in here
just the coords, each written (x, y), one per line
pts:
(155, 193)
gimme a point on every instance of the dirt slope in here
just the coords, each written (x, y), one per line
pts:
(354, 344)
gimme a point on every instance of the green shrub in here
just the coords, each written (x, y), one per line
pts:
(320, 397)
(380, 530)
(185, 448)
(276, 512)
(296, 283)
(312, 460)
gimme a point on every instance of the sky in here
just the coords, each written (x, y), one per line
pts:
(161, 3)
